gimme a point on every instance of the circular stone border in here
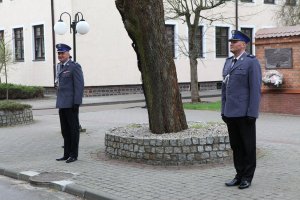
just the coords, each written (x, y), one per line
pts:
(202, 143)
(11, 118)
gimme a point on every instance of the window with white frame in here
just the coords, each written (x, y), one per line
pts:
(170, 34)
(39, 45)
(249, 33)
(222, 42)
(19, 44)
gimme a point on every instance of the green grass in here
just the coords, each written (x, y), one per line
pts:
(12, 106)
(215, 106)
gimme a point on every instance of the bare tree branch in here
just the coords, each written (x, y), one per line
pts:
(191, 10)
(289, 15)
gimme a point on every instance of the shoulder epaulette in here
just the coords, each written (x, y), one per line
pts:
(74, 62)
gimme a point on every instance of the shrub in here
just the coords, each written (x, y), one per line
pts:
(13, 106)
(21, 91)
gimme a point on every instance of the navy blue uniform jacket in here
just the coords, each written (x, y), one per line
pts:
(241, 88)
(70, 85)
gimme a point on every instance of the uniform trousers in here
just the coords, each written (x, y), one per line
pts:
(242, 136)
(69, 123)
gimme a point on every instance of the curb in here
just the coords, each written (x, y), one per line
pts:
(126, 101)
(63, 186)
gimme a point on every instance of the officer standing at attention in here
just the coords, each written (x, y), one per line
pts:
(70, 85)
(241, 90)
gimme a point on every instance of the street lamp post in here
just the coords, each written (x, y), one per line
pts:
(77, 25)
(236, 15)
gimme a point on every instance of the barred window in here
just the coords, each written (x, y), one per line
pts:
(290, 2)
(39, 46)
(269, 1)
(222, 42)
(1, 35)
(19, 44)
(199, 41)
(170, 34)
(249, 33)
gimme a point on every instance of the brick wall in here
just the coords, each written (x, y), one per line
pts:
(291, 77)
(286, 98)
(134, 89)
(280, 102)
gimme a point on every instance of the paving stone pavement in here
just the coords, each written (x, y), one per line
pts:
(34, 147)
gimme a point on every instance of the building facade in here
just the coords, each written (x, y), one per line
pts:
(105, 52)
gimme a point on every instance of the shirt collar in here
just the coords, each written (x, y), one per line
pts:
(239, 56)
(65, 62)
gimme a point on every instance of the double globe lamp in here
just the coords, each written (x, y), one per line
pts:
(79, 25)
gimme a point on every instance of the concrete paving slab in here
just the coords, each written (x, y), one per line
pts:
(36, 146)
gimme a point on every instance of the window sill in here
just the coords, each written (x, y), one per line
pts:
(39, 60)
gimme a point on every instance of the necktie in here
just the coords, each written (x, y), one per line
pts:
(233, 62)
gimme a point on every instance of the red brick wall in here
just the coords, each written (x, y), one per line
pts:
(286, 98)
(280, 103)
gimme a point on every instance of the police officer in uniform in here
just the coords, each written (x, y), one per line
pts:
(241, 90)
(70, 85)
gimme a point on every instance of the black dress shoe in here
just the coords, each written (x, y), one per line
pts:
(245, 184)
(63, 158)
(71, 159)
(233, 182)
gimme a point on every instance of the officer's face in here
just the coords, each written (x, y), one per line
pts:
(237, 47)
(63, 56)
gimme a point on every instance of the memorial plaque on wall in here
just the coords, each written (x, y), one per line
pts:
(278, 58)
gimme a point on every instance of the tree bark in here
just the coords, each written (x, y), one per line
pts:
(193, 54)
(144, 22)
(195, 97)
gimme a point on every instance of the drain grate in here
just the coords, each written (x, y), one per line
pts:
(45, 178)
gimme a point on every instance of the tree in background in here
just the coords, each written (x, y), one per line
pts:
(289, 13)
(5, 59)
(190, 11)
(145, 25)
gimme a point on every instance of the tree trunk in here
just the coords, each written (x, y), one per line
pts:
(5, 71)
(193, 54)
(194, 80)
(144, 22)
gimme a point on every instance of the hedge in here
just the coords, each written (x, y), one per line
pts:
(12, 106)
(21, 91)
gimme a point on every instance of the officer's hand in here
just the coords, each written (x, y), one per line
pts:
(75, 107)
(251, 119)
(225, 119)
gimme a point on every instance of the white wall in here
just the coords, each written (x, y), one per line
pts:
(17, 14)
(105, 53)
